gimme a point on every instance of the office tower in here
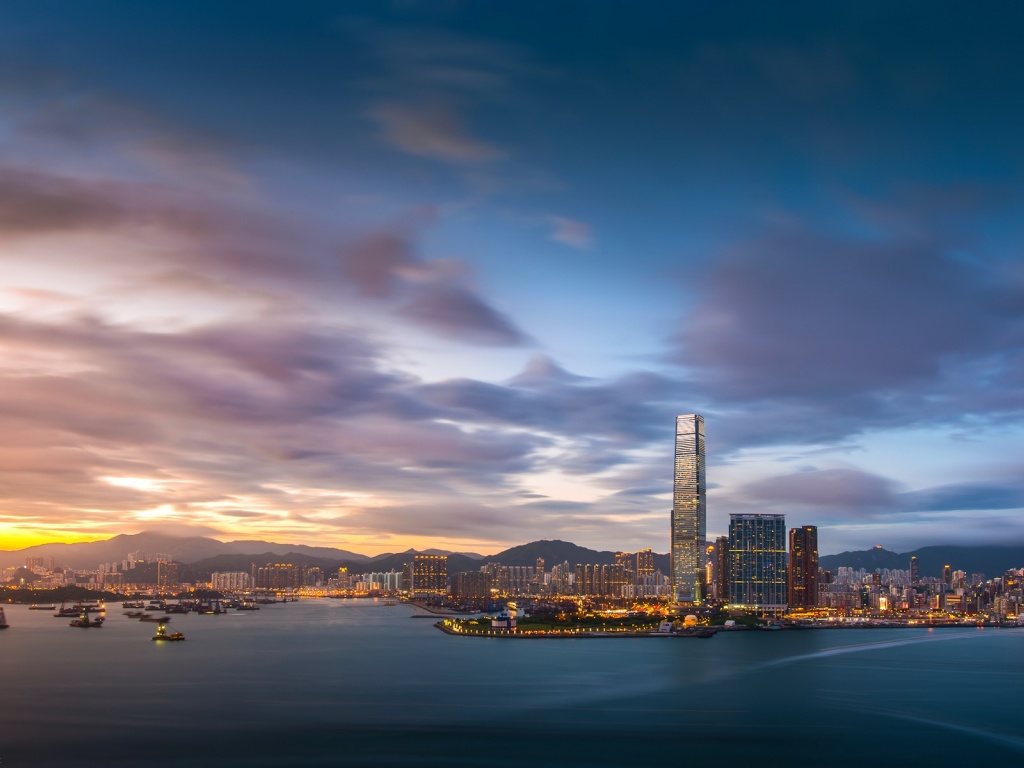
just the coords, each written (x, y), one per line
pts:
(915, 574)
(429, 575)
(689, 512)
(947, 578)
(757, 562)
(722, 568)
(803, 567)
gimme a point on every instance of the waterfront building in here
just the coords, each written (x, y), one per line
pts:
(277, 576)
(689, 510)
(757, 562)
(429, 575)
(230, 581)
(471, 585)
(802, 582)
(721, 586)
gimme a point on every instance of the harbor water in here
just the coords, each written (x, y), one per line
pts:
(358, 682)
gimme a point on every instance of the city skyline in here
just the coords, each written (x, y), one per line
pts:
(382, 276)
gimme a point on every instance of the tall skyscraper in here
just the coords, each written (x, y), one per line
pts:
(689, 509)
(915, 573)
(803, 567)
(757, 562)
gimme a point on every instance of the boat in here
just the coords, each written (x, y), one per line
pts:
(3, 620)
(176, 608)
(133, 604)
(134, 614)
(85, 622)
(39, 607)
(63, 612)
(162, 634)
(160, 619)
(247, 605)
(390, 602)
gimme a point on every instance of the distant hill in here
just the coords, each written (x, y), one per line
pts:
(183, 549)
(989, 560)
(204, 555)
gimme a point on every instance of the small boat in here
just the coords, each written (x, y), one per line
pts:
(162, 634)
(390, 602)
(3, 620)
(247, 605)
(40, 607)
(159, 619)
(85, 622)
(133, 604)
(134, 614)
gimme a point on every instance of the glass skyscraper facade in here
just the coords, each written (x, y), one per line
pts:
(689, 510)
(757, 562)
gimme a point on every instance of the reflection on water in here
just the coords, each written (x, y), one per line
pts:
(332, 682)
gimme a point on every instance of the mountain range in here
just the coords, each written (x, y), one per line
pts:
(203, 555)
(990, 560)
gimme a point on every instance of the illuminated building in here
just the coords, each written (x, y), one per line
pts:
(757, 562)
(803, 567)
(472, 585)
(429, 575)
(915, 574)
(167, 574)
(234, 581)
(689, 509)
(721, 590)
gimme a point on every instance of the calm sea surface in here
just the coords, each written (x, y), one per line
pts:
(355, 682)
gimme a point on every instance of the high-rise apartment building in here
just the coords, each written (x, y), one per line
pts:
(167, 574)
(689, 510)
(429, 575)
(757, 562)
(803, 567)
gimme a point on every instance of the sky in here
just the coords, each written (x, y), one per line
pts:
(442, 274)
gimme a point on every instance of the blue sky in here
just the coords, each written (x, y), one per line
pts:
(442, 274)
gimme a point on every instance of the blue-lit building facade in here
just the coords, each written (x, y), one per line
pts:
(757, 563)
(689, 510)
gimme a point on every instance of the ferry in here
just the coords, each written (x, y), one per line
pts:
(162, 634)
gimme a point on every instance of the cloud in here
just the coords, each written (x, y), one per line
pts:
(570, 232)
(433, 131)
(458, 313)
(802, 337)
